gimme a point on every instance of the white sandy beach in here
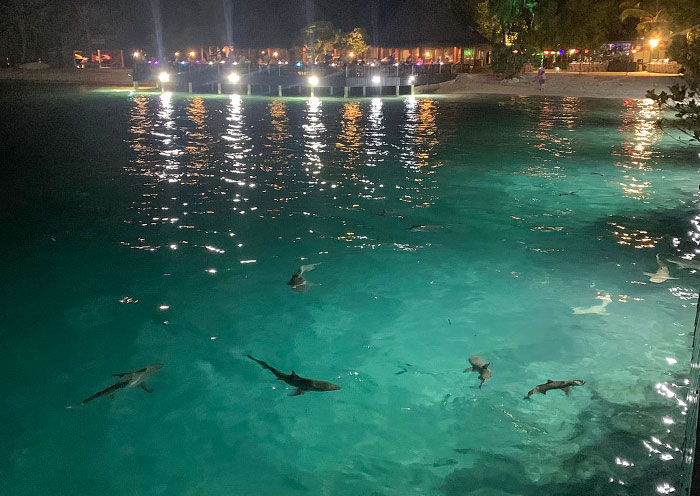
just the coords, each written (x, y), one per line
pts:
(587, 84)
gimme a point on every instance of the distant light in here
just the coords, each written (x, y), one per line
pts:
(376, 79)
(561, 52)
(177, 54)
(275, 54)
(262, 52)
(351, 54)
(653, 43)
(427, 54)
(137, 54)
(634, 50)
(586, 50)
(299, 64)
(234, 78)
(193, 54)
(557, 69)
(211, 62)
(546, 52)
(572, 51)
(411, 79)
(313, 81)
(164, 77)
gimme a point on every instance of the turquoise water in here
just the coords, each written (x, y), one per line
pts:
(141, 229)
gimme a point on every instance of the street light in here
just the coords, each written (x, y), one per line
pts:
(653, 43)
(193, 54)
(376, 80)
(163, 77)
(234, 78)
(313, 81)
(137, 54)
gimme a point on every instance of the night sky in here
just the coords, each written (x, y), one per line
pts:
(259, 22)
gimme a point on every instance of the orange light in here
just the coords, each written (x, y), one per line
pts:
(193, 54)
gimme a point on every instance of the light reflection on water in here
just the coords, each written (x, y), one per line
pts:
(323, 163)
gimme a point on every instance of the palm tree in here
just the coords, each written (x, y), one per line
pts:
(651, 18)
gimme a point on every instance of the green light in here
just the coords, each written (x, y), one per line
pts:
(469, 52)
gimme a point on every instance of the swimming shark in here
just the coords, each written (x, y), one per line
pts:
(302, 384)
(128, 380)
(661, 275)
(480, 365)
(684, 263)
(597, 309)
(563, 385)
(426, 228)
(297, 282)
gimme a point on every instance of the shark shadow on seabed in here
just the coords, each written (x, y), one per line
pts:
(614, 462)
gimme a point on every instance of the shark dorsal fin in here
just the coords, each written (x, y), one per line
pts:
(294, 374)
(486, 366)
(549, 380)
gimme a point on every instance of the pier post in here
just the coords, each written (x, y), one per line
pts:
(397, 90)
(189, 87)
(413, 89)
(249, 90)
(346, 92)
(331, 90)
(364, 91)
(279, 90)
(312, 91)
(218, 88)
(136, 85)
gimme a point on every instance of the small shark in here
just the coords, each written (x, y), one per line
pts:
(297, 282)
(684, 263)
(661, 275)
(128, 380)
(302, 384)
(596, 309)
(567, 194)
(426, 228)
(563, 385)
(480, 365)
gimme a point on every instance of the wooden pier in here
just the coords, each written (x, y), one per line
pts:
(285, 80)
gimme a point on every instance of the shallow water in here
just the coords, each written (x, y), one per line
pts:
(139, 229)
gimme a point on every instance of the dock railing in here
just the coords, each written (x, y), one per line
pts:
(691, 421)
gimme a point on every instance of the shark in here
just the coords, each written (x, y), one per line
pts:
(596, 309)
(563, 385)
(297, 282)
(302, 384)
(662, 274)
(480, 365)
(128, 380)
(426, 228)
(684, 263)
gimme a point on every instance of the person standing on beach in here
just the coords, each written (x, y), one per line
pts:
(541, 78)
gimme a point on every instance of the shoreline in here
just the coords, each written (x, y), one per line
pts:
(616, 85)
(561, 84)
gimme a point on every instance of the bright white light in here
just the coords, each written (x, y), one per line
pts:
(411, 79)
(136, 55)
(234, 78)
(164, 77)
(376, 79)
(313, 80)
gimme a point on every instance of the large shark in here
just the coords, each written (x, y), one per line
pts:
(128, 380)
(480, 365)
(662, 274)
(302, 384)
(297, 282)
(563, 385)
